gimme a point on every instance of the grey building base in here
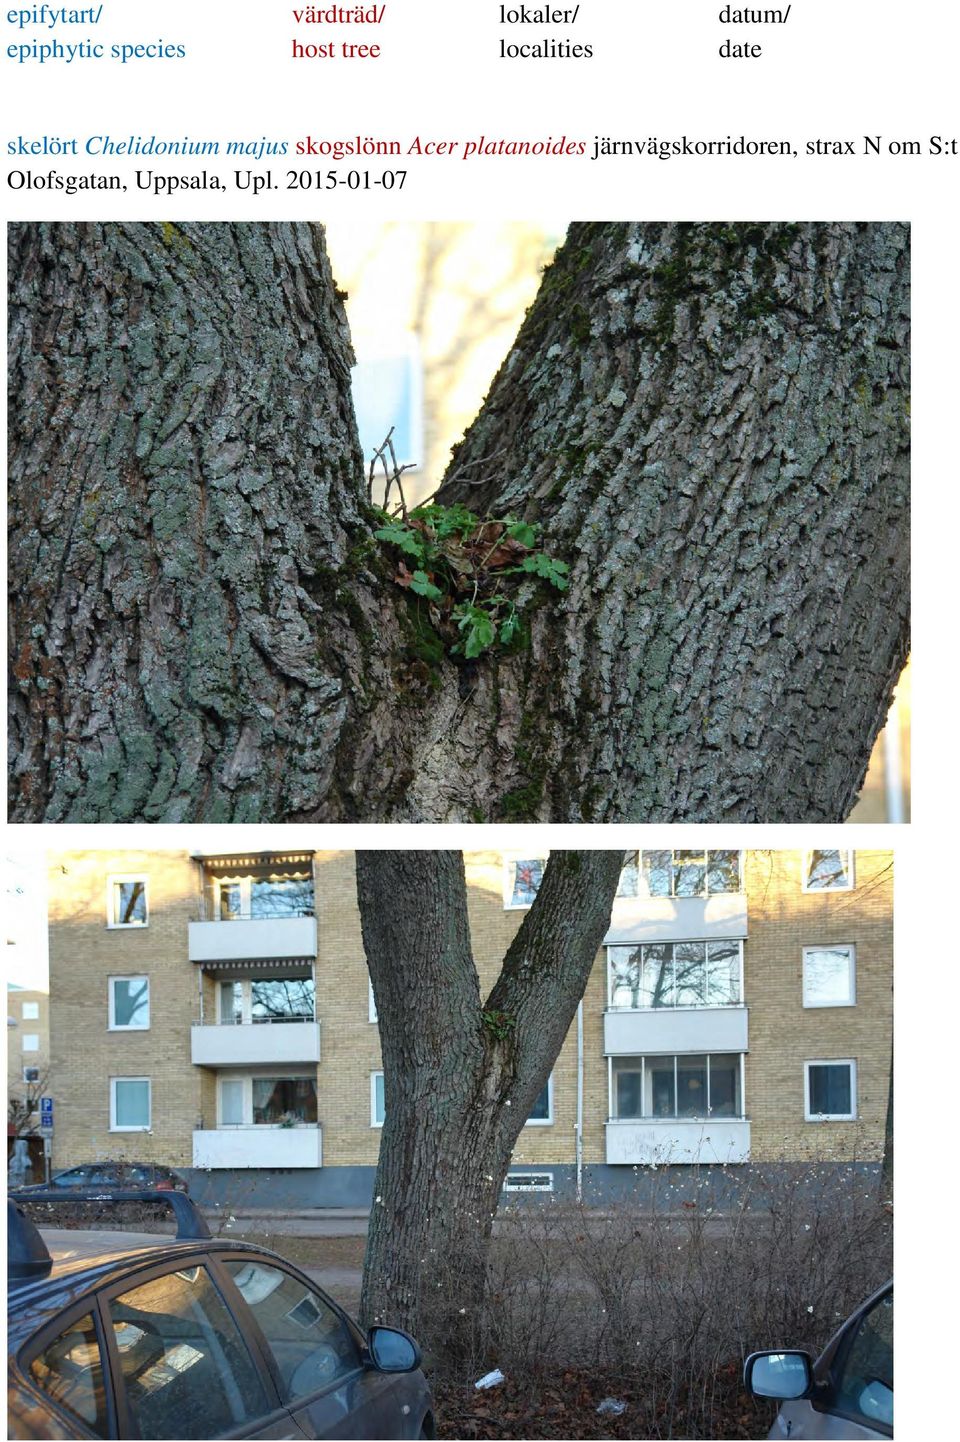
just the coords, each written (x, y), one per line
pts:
(665, 1188)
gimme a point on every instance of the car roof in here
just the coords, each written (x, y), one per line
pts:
(84, 1261)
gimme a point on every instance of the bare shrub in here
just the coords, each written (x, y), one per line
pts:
(664, 1294)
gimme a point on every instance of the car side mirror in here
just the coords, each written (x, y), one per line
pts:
(782, 1375)
(391, 1350)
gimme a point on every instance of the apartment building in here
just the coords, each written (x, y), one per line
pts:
(214, 1013)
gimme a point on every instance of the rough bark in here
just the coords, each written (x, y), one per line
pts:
(709, 421)
(461, 1073)
(886, 1169)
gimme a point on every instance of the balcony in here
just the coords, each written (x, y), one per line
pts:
(282, 938)
(255, 1043)
(263, 1147)
(640, 1143)
(629, 1032)
(678, 918)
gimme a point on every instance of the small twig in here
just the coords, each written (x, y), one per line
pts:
(391, 473)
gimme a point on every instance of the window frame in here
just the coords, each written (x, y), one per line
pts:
(29, 1011)
(641, 1071)
(31, 1080)
(850, 948)
(42, 1339)
(372, 1014)
(112, 1024)
(699, 1006)
(373, 1101)
(830, 890)
(239, 1315)
(33, 1037)
(548, 1120)
(246, 984)
(113, 1103)
(846, 1061)
(247, 1078)
(118, 878)
(672, 894)
(528, 1172)
(509, 878)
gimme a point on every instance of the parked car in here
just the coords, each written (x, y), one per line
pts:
(847, 1391)
(134, 1335)
(117, 1174)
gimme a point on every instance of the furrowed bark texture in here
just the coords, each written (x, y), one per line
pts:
(461, 1073)
(709, 421)
(712, 421)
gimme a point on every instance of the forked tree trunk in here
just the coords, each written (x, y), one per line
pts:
(709, 421)
(461, 1073)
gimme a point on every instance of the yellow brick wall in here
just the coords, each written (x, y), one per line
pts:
(784, 1034)
(17, 1058)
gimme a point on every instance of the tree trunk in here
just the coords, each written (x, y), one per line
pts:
(886, 1169)
(709, 421)
(461, 1074)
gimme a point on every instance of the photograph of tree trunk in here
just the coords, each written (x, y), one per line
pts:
(664, 578)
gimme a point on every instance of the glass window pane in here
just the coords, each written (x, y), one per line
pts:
(278, 896)
(129, 903)
(830, 1092)
(132, 1104)
(185, 1367)
(725, 1086)
(625, 976)
(661, 1097)
(527, 876)
(131, 1002)
(540, 1111)
(658, 976)
(689, 873)
(626, 1087)
(231, 900)
(378, 1103)
(68, 1370)
(691, 1086)
(284, 1100)
(690, 961)
(866, 1383)
(311, 1343)
(723, 872)
(231, 1003)
(231, 1103)
(282, 1000)
(828, 871)
(827, 976)
(656, 872)
(723, 973)
(629, 876)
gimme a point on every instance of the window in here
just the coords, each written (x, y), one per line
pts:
(372, 1003)
(126, 901)
(31, 1073)
(864, 1385)
(30, 1041)
(69, 1372)
(541, 1113)
(376, 1099)
(830, 1091)
(828, 871)
(129, 1003)
(682, 1087)
(668, 974)
(524, 875)
(264, 1101)
(829, 976)
(184, 1365)
(273, 999)
(310, 1342)
(528, 1182)
(681, 873)
(130, 1104)
(259, 890)
(30, 1011)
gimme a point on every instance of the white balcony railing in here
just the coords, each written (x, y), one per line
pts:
(628, 1032)
(283, 938)
(258, 1146)
(256, 1043)
(641, 1143)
